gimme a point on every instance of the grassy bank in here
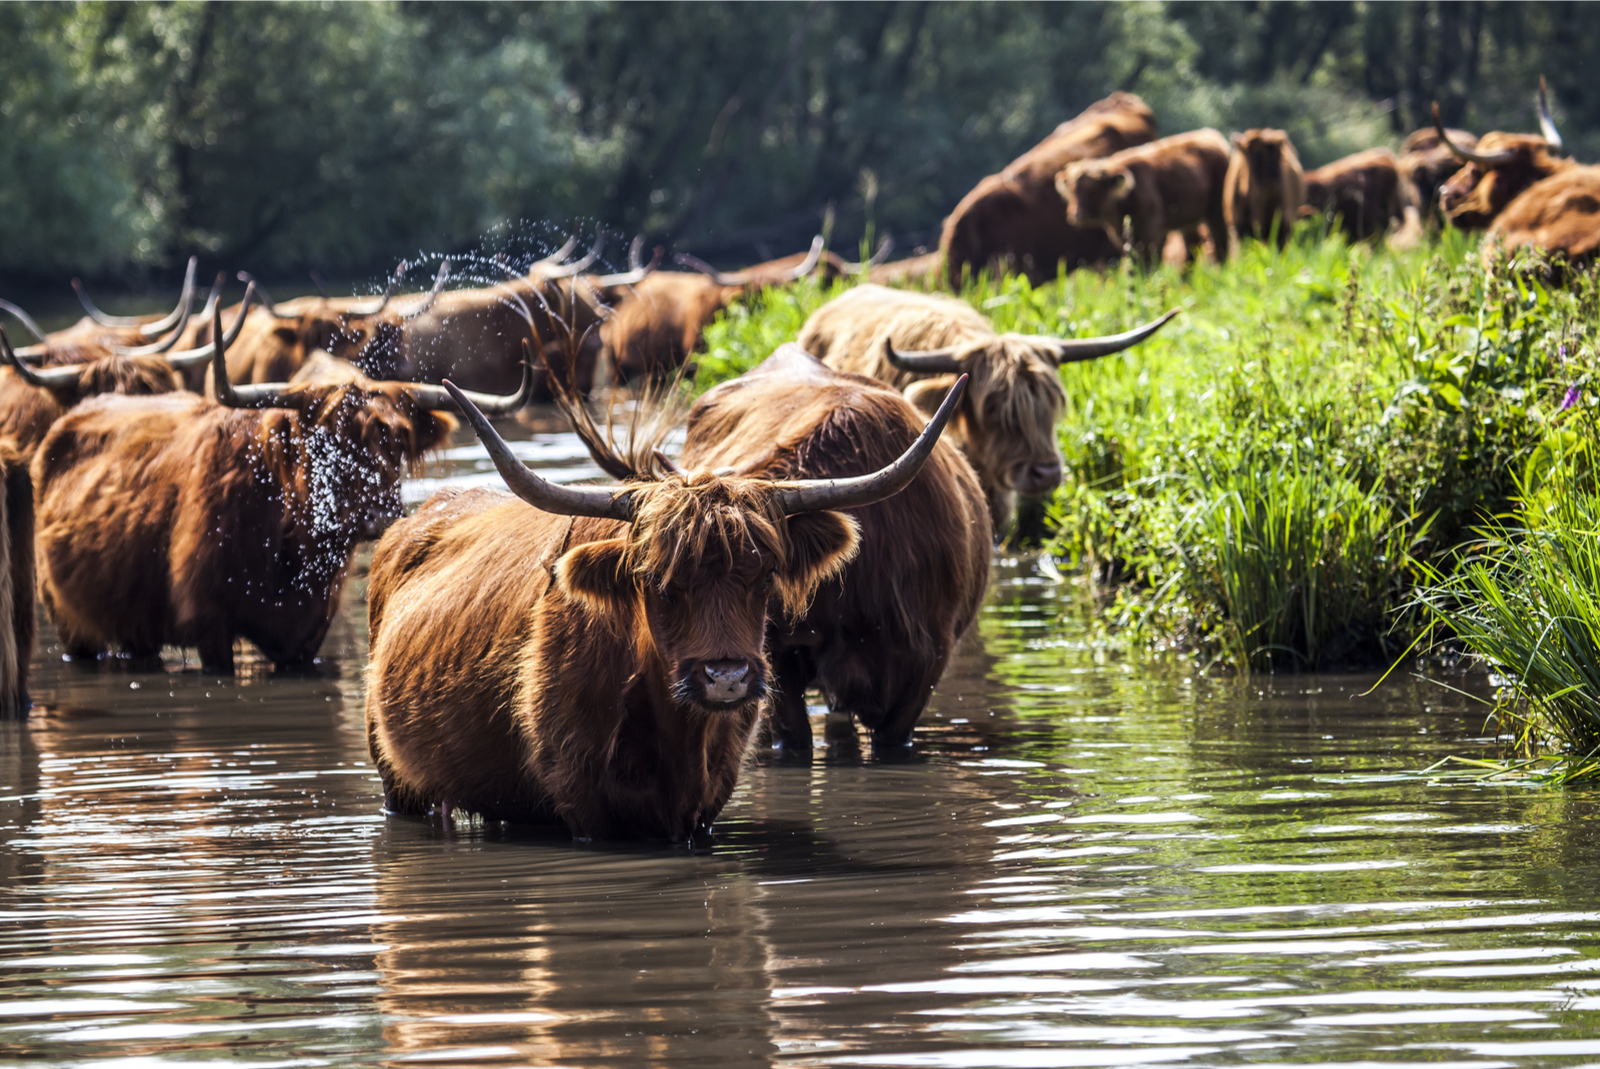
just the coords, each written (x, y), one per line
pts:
(1273, 480)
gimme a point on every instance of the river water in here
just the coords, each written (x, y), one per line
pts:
(1091, 860)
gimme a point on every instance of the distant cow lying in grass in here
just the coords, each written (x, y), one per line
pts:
(175, 520)
(916, 341)
(593, 655)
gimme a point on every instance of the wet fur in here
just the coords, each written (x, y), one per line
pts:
(16, 583)
(1016, 219)
(27, 411)
(1014, 396)
(877, 639)
(171, 520)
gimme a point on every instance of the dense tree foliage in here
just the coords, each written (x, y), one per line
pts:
(286, 136)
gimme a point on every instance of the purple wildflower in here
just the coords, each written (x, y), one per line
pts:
(1573, 393)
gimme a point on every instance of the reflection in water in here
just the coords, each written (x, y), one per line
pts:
(1089, 861)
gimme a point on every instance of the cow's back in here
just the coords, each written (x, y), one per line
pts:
(847, 333)
(1560, 214)
(1017, 215)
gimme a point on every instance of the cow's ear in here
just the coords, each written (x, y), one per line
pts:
(820, 545)
(592, 575)
(926, 395)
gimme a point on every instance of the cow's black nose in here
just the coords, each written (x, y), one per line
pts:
(726, 681)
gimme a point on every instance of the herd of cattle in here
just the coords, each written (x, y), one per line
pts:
(601, 656)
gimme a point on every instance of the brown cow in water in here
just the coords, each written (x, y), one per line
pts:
(1426, 162)
(1498, 168)
(16, 582)
(174, 520)
(596, 659)
(1362, 194)
(876, 640)
(1264, 188)
(1006, 425)
(1015, 220)
(1560, 215)
(1175, 183)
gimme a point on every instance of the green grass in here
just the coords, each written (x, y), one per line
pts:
(1272, 480)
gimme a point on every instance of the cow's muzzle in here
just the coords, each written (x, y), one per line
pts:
(721, 684)
(1035, 477)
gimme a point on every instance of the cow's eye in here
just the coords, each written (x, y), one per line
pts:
(667, 595)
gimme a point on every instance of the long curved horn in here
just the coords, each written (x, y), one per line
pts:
(26, 320)
(885, 247)
(809, 264)
(637, 271)
(429, 396)
(921, 362)
(189, 358)
(812, 495)
(432, 295)
(743, 278)
(383, 298)
(606, 503)
(50, 378)
(579, 266)
(266, 298)
(164, 344)
(149, 330)
(560, 254)
(1068, 350)
(1547, 125)
(1497, 159)
(694, 263)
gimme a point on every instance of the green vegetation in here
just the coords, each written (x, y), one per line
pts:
(286, 136)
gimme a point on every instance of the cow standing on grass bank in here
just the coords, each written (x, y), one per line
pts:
(597, 658)
(176, 521)
(1426, 163)
(915, 342)
(1015, 220)
(1498, 169)
(1175, 183)
(1265, 187)
(877, 639)
(1362, 195)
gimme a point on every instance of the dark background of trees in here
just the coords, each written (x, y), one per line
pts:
(340, 137)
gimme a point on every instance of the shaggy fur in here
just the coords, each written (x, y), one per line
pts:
(16, 583)
(1175, 183)
(1006, 422)
(1475, 195)
(1560, 215)
(1015, 220)
(270, 349)
(171, 520)
(26, 411)
(534, 668)
(1363, 194)
(1264, 188)
(876, 640)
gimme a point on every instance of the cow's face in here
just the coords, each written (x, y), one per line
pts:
(695, 576)
(1476, 193)
(1096, 194)
(1263, 153)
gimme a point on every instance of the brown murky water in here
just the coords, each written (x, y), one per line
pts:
(1091, 861)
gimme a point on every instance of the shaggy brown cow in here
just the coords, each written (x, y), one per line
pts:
(1560, 215)
(1498, 168)
(16, 582)
(877, 640)
(1015, 220)
(1006, 423)
(1361, 194)
(1426, 162)
(173, 520)
(595, 659)
(1264, 188)
(1175, 183)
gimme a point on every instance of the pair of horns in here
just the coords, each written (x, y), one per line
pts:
(546, 269)
(148, 330)
(1547, 127)
(747, 276)
(270, 394)
(166, 344)
(637, 269)
(1063, 350)
(796, 496)
(885, 247)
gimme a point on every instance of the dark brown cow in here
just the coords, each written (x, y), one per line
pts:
(174, 520)
(1362, 194)
(1006, 425)
(1175, 183)
(596, 659)
(1015, 220)
(1264, 188)
(1559, 215)
(1498, 168)
(16, 582)
(1426, 162)
(877, 640)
